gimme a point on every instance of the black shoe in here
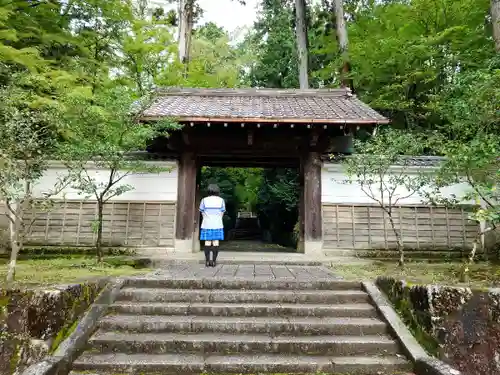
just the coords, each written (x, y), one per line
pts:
(208, 264)
(214, 263)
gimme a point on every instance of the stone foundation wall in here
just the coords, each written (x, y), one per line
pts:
(458, 325)
(422, 228)
(33, 322)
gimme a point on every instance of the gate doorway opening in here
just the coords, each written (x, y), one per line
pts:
(262, 207)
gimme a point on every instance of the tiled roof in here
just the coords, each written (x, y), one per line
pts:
(414, 161)
(265, 105)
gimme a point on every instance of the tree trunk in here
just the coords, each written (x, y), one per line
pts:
(98, 242)
(399, 241)
(186, 14)
(17, 228)
(343, 45)
(495, 20)
(14, 227)
(301, 34)
(472, 255)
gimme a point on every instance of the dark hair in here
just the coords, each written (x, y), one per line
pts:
(213, 189)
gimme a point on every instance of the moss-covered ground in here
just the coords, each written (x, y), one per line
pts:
(482, 275)
(69, 269)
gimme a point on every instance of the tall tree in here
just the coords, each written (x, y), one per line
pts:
(495, 19)
(189, 13)
(343, 41)
(301, 35)
(186, 23)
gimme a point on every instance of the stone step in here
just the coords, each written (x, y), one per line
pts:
(359, 310)
(269, 325)
(339, 252)
(167, 364)
(163, 343)
(231, 283)
(243, 296)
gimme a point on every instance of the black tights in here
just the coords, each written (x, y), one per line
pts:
(215, 252)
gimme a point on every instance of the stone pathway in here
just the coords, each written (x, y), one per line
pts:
(163, 260)
(246, 271)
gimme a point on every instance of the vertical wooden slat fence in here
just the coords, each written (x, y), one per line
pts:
(137, 224)
(421, 227)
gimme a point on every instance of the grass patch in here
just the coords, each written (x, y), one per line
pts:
(482, 275)
(69, 269)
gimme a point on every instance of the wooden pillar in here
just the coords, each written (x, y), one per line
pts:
(301, 244)
(186, 194)
(197, 216)
(313, 221)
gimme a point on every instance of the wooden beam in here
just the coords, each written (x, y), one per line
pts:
(251, 163)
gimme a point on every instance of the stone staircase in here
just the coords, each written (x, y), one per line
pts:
(231, 326)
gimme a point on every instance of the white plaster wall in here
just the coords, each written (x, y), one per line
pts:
(147, 187)
(334, 189)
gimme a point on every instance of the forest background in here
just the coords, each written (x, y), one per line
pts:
(431, 66)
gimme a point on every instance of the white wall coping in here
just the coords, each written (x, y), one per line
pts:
(57, 164)
(413, 169)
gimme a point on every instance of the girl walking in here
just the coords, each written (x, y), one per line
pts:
(212, 208)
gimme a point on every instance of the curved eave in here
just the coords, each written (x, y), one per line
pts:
(383, 121)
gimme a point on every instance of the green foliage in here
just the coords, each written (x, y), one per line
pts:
(99, 27)
(239, 188)
(403, 53)
(272, 193)
(384, 172)
(471, 145)
(27, 142)
(104, 134)
(278, 204)
(213, 62)
(103, 131)
(382, 168)
(273, 48)
(147, 46)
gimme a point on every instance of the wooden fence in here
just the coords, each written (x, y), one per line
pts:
(422, 227)
(134, 224)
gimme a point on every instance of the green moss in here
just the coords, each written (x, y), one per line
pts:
(403, 305)
(62, 335)
(4, 302)
(14, 360)
(85, 298)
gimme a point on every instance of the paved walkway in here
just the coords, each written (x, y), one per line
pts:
(252, 258)
(246, 271)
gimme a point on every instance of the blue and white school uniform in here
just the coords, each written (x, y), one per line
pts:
(212, 209)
